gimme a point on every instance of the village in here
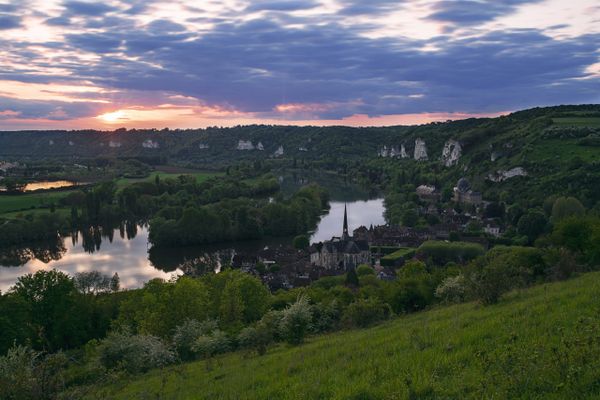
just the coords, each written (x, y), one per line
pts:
(385, 248)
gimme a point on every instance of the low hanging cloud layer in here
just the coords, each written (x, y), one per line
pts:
(77, 63)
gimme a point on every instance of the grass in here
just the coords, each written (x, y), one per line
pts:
(200, 177)
(577, 121)
(26, 202)
(562, 150)
(538, 343)
(402, 252)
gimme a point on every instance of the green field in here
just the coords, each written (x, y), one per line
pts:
(200, 177)
(26, 202)
(541, 343)
(563, 150)
(577, 121)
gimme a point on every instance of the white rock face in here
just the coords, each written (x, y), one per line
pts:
(502, 175)
(420, 150)
(114, 144)
(260, 146)
(403, 152)
(495, 155)
(392, 152)
(149, 144)
(383, 152)
(203, 146)
(245, 145)
(278, 152)
(451, 153)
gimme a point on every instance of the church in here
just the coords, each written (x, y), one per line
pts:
(341, 253)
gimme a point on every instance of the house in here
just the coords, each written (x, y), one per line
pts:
(492, 228)
(428, 193)
(465, 195)
(345, 252)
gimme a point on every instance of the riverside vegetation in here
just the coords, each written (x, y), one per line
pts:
(65, 336)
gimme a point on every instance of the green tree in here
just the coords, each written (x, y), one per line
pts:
(352, 278)
(57, 318)
(565, 207)
(532, 224)
(301, 242)
(410, 218)
(231, 310)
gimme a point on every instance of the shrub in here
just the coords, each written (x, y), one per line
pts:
(365, 312)
(187, 333)
(257, 337)
(26, 374)
(134, 353)
(364, 269)
(411, 294)
(452, 289)
(444, 252)
(209, 345)
(295, 321)
(326, 316)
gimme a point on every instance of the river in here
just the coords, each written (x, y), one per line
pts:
(129, 254)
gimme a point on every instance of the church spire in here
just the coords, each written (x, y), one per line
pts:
(345, 234)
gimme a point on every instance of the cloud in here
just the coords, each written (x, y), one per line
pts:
(258, 65)
(9, 22)
(281, 59)
(165, 26)
(50, 110)
(360, 7)
(93, 42)
(87, 8)
(281, 5)
(468, 12)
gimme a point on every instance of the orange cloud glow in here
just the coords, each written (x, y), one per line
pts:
(50, 91)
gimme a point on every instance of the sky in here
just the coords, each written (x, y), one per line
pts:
(74, 64)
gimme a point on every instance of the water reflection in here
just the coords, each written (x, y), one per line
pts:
(360, 213)
(87, 251)
(126, 250)
(43, 185)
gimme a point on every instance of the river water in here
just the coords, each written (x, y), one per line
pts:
(131, 257)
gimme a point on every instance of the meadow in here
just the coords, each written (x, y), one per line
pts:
(200, 176)
(13, 206)
(28, 201)
(541, 342)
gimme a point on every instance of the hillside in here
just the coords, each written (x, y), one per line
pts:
(538, 343)
(509, 138)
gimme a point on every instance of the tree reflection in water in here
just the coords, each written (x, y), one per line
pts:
(45, 252)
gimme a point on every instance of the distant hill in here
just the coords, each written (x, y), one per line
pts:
(530, 134)
(538, 343)
(528, 154)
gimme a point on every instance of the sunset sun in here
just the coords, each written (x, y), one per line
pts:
(113, 117)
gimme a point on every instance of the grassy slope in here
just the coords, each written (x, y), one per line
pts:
(538, 343)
